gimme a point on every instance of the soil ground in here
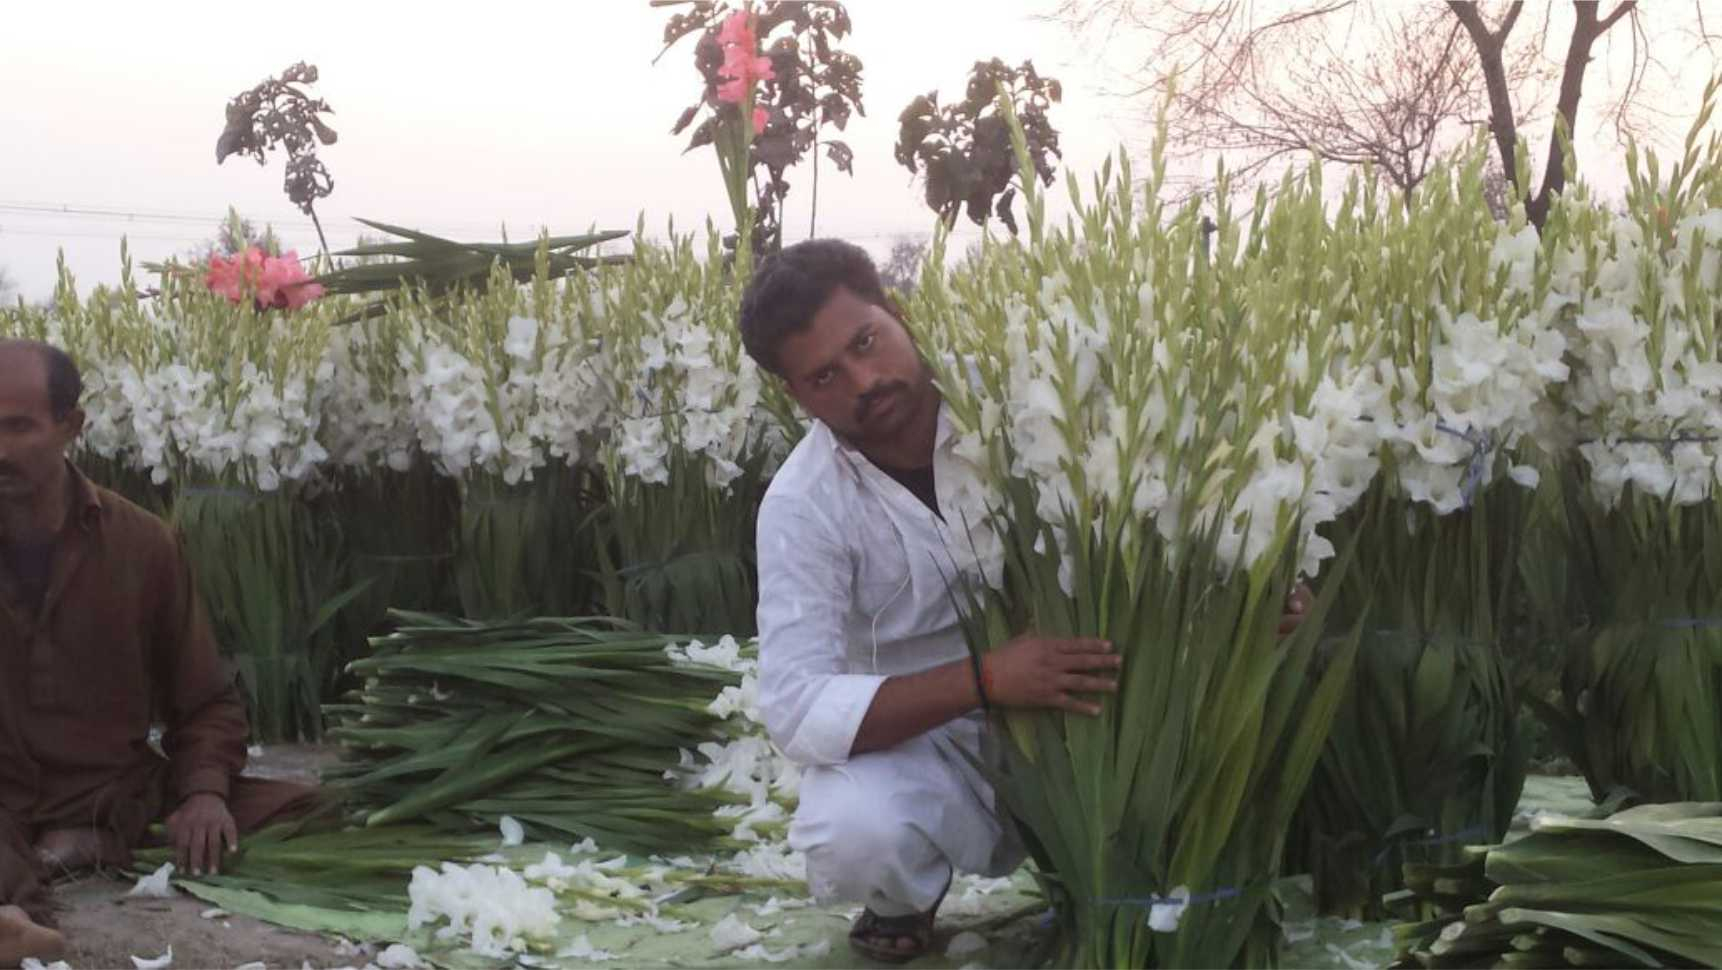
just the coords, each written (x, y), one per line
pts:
(105, 928)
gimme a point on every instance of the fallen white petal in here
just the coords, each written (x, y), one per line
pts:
(513, 833)
(31, 963)
(759, 952)
(773, 906)
(732, 933)
(215, 914)
(581, 949)
(399, 955)
(155, 884)
(159, 963)
(253, 965)
(965, 944)
(1351, 962)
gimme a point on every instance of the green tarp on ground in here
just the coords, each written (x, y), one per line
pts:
(1005, 914)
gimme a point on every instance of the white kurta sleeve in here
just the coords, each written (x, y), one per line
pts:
(812, 706)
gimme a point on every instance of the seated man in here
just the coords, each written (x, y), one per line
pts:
(101, 636)
(865, 678)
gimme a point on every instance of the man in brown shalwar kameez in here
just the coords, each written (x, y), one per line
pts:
(101, 636)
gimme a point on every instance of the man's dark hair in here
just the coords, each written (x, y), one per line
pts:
(792, 284)
(65, 384)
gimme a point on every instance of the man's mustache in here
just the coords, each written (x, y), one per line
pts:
(864, 406)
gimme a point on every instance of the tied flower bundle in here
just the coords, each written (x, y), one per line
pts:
(1443, 327)
(692, 444)
(397, 513)
(576, 728)
(186, 390)
(1137, 469)
(1633, 889)
(240, 411)
(507, 396)
(1641, 695)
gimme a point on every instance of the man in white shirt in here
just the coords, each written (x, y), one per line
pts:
(865, 679)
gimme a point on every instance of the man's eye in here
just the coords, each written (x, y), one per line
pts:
(822, 378)
(865, 342)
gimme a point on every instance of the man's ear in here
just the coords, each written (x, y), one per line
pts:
(73, 424)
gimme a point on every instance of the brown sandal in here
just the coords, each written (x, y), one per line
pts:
(875, 937)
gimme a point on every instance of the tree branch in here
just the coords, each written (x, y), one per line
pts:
(1511, 19)
(1585, 32)
(1501, 119)
(1620, 11)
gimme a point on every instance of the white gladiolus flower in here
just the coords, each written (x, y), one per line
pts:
(493, 909)
(522, 338)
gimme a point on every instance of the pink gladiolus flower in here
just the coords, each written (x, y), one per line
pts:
(759, 117)
(284, 283)
(232, 276)
(271, 281)
(224, 278)
(742, 64)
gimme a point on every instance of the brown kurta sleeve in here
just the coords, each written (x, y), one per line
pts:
(205, 713)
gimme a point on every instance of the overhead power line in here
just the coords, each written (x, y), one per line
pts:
(109, 214)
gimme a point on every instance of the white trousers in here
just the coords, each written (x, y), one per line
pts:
(886, 829)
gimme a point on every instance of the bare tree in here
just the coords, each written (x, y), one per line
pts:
(8, 286)
(1588, 25)
(1392, 86)
(902, 267)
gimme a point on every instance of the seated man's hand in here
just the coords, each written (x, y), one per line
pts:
(198, 829)
(1035, 671)
(1297, 608)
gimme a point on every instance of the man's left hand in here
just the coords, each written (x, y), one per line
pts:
(198, 829)
(1297, 608)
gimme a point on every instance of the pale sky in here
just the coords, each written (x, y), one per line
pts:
(453, 118)
(457, 118)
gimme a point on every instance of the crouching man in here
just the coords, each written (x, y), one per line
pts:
(865, 678)
(101, 636)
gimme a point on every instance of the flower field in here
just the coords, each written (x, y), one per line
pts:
(1483, 446)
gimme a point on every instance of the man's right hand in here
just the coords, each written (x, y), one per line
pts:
(1037, 671)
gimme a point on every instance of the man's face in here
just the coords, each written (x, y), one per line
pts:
(856, 369)
(32, 444)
